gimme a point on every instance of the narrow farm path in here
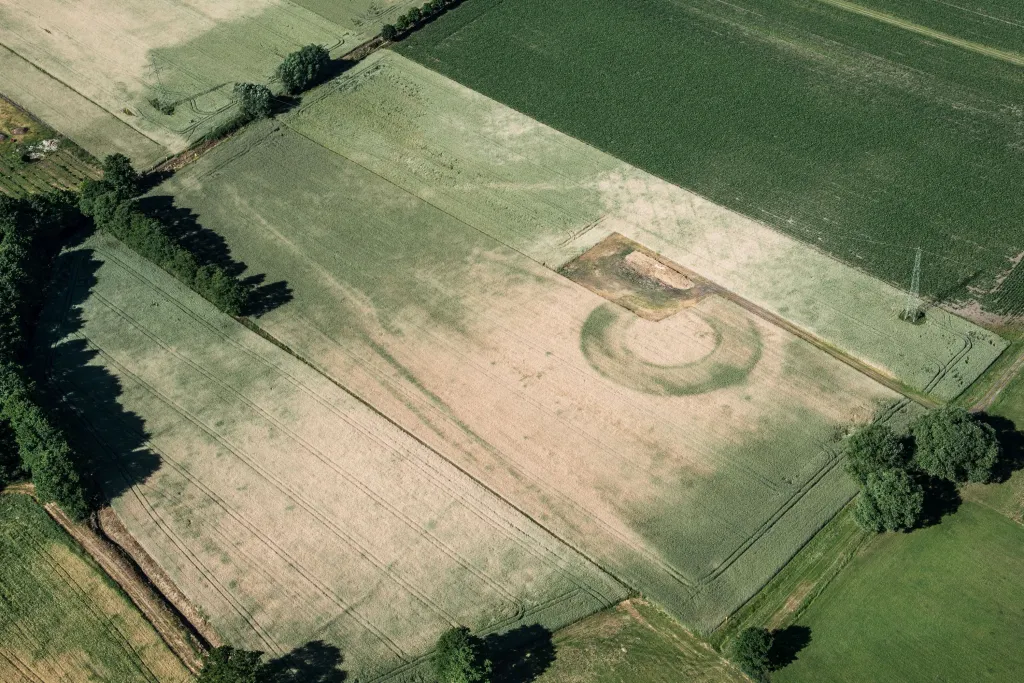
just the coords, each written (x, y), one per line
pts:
(1004, 55)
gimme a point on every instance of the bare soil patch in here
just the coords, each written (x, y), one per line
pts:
(634, 277)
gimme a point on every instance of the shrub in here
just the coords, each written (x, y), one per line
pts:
(10, 459)
(302, 68)
(873, 449)
(458, 659)
(228, 665)
(253, 100)
(750, 652)
(951, 444)
(890, 500)
(162, 106)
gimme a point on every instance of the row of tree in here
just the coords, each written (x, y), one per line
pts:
(31, 232)
(894, 472)
(416, 17)
(299, 71)
(111, 203)
(458, 658)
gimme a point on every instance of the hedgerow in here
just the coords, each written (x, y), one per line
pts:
(415, 17)
(117, 213)
(30, 235)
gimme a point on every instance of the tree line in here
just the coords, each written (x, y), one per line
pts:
(31, 443)
(458, 658)
(416, 17)
(112, 204)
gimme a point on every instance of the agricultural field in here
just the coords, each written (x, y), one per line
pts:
(37, 158)
(62, 619)
(865, 128)
(147, 79)
(635, 641)
(287, 510)
(942, 603)
(421, 227)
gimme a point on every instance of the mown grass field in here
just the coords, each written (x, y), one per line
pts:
(61, 618)
(942, 603)
(285, 509)
(147, 79)
(863, 136)
(423, 289)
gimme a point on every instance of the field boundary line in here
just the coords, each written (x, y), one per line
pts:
(150, 602)
(319, 455)
(1014, 58)
(302, 571)
(84, 97)
(262, 333)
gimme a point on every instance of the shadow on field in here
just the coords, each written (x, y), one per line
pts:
(787, 644)
(314, 662)
(109, 441)
(520, 655)
(941, 498)
(210, 248)
(1011, 444)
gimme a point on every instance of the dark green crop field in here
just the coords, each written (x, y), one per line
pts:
(861, 130)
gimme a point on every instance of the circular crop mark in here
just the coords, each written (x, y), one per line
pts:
(724, 350)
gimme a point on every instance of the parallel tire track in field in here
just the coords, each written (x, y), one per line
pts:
(482, 511)
(1014, 58)
(318, 454)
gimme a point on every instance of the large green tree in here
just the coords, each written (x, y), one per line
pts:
(873, 449)
(229, 665)
(121, 177)
(253, 100)
(890, 500)
(303, 68)
(952, 444)
(750, 652)
(458, 658)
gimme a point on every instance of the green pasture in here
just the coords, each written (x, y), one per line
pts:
(939, 604)
(61, 618)
(859, 137)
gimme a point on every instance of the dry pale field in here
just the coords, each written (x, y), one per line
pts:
(691, 456)
(91, 68)
(283, 507)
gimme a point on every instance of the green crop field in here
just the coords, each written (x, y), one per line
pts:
(61, 618)
(940, 604)
(691, 457)
(146, 79)
(285, 509)
(865, 129)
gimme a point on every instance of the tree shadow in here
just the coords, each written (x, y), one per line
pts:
(109, 442)
(314, 662)
(209, 248)
(787, 644)
(941, 498)
(520, 655)
(1011, 444)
